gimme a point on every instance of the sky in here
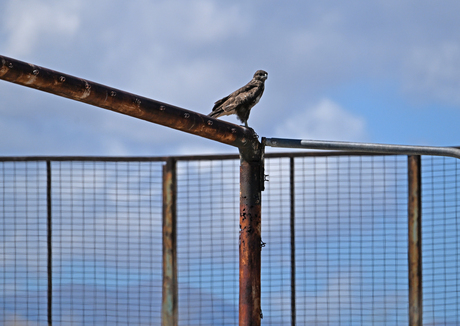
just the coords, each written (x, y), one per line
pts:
(371, 71)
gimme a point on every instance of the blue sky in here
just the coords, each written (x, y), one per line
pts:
(373, 71)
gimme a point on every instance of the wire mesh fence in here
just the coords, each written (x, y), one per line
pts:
(334, 229)
(352, 241)
(441, 236)
(106, 231)
(105, 248)
(207, 238)
(23, 270)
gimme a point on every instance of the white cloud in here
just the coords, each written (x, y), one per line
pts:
(28, 23)
(325, 120)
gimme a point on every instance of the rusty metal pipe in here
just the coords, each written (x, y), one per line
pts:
(170, 287)
(251, 170)
(82, 90)
(415, 241)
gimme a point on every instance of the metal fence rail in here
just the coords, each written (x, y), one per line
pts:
(81, 240)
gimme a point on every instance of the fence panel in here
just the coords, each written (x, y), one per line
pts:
(351, 240)
(23, 243)
(207, 237)
(106, 243)
(276, 252)
(339, 257)
(441, 240)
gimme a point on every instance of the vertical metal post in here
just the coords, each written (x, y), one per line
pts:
(292, 229)
(169, 299)
(415, 241)
(49, 244)
(251, 182)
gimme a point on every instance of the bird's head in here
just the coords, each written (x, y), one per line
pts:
(261, 75)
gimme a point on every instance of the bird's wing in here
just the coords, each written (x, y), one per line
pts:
(220, 102)
(245, 94)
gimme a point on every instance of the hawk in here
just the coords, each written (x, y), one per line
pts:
(241, 101)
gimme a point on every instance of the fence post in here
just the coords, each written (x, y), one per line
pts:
(251, 185)
(415, 241)
(169, 296)
(49, 245)
(292, 231)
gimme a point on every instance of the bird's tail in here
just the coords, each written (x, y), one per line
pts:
(215, 113)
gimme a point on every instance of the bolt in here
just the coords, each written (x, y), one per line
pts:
(162, 108)
(233, 131)
(87, 86)
(137, 101)
(113, 93)
(10, 65)
(186, 115)
(209, 122)
(35, 72)
(62, 79)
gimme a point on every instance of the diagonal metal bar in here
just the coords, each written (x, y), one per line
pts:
(82, 90)
(362, 147)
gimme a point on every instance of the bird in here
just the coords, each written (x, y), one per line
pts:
(241, 101)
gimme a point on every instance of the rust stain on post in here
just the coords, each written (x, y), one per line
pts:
(250, 241)
(415, 241)
(169, 298)
(78, 89)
